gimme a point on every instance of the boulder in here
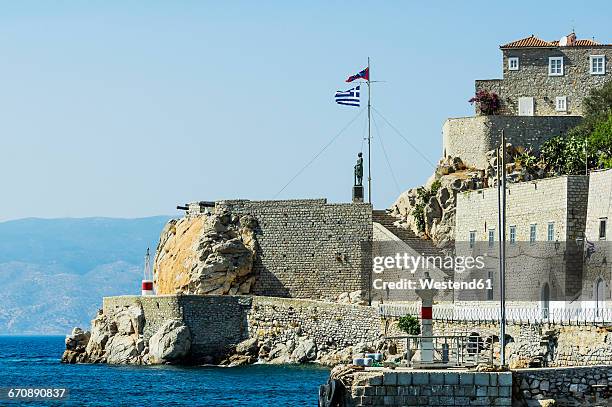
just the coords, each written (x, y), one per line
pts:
(170, 343)
(239, 360)
(248, 347)
(70, 356)
(77, 340)
(130, 321)
(305, 351)
(279, 354)
(122, 349)
(101, 330)
(443, 196)
(207, 254)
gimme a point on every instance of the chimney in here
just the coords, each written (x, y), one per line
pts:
(571, 39)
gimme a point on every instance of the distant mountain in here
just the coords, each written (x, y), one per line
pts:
(54, 272)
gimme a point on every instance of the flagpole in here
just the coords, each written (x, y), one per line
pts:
(502, 247)
(369, 138)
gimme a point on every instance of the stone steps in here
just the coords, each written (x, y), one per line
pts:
(424, 247)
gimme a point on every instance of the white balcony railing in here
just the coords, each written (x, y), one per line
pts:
(514, 314)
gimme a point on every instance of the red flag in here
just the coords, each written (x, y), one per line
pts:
(365, 74)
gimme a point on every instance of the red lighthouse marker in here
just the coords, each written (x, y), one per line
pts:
(147, 282)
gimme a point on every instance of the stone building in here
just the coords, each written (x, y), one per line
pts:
(544, 219)
(557, 238)
(549, 78)
(542, 91)
(598, 252)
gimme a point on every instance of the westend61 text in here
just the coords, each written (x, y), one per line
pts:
(425, 283)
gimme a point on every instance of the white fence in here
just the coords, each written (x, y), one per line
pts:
(514, 314)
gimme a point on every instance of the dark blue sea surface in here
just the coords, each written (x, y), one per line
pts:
(34, 362)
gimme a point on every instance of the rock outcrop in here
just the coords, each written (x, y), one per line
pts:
(208, 254)
(76, 344)
(119, 340)
(301, 349)
(429, 211)
(170, 343)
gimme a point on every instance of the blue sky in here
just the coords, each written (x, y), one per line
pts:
(127, 109)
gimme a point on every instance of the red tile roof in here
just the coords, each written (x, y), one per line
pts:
(528, 42)
(535, 42)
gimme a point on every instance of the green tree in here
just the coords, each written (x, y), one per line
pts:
(423, 196)
(409, 324)
(598, 105)
(600, 143)
(566, 155)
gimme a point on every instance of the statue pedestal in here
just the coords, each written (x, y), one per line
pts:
(358, 193)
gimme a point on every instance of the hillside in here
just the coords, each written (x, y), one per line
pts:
(54, 272)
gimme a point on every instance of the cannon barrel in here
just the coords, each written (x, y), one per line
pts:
(182, 208)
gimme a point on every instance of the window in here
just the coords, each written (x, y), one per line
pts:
(602, 228)
(532, 233)
(597, 64)
(561, 104)
(491, 237)
(550, 233)
(512, 234)
(513, 64)
(555, 66)
(472, 238)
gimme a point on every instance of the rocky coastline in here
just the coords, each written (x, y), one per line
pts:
(119, 339)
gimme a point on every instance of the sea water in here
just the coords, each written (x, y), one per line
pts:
(33, 362)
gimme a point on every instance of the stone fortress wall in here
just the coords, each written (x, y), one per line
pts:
(308, 248)
(470, 138)
(532, 79)
(218, 322)
(215, 321)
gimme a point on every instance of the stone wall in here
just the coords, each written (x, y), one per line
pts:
(552, 345)
(309, 248)
(470, 138)
(598, 266)
(532, 79)
(219, 322)
(565, 385)
(216, 321)
(333, 325)
(560, 202)
(429, 388)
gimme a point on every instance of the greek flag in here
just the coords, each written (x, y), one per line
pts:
(349, 97)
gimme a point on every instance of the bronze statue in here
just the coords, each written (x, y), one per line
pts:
(359, 170)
